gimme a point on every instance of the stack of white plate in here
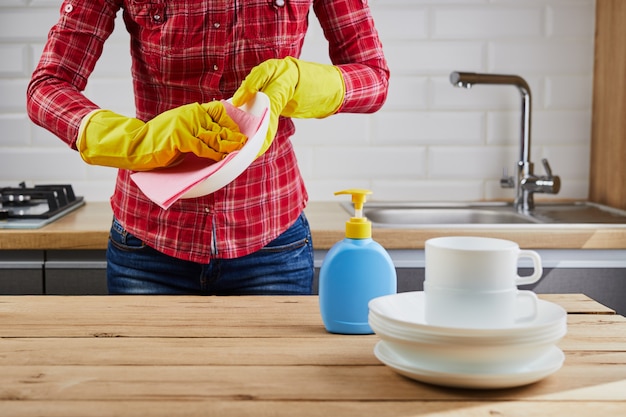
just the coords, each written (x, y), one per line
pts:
(465, 357)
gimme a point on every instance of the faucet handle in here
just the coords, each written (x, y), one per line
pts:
(546, 167)
(549, 183)
(506, 181)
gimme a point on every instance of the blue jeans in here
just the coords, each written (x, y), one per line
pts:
(283, 267)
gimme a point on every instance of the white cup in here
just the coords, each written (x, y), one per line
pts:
(472, 282)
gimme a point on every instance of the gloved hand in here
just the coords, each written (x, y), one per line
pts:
(109, 139)
(295, 88)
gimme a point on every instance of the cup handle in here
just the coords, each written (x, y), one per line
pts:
(538, 270)
(535, 306)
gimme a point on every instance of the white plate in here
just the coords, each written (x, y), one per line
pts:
(233, 167)
(389, 329)
(533, 372)
(196, 177)
(406, 310)
(463, 357)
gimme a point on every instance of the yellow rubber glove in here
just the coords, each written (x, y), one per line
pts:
(295, 88)
(109, 139)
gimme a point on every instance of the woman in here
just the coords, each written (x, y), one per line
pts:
(251, 237)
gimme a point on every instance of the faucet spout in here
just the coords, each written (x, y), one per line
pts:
(468, 79)
(524, 197)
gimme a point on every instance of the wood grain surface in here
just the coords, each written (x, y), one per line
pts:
(263, 356)
(607, 183)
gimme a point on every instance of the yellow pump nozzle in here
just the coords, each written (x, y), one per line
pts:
(358, 227)
(358, 199)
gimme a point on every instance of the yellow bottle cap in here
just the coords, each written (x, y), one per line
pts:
(358, 227)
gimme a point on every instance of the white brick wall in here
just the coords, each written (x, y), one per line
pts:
(430, 141)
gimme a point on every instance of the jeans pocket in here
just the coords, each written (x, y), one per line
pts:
(297, 236)
(122, 239)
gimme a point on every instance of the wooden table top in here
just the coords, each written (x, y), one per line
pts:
(231, 356)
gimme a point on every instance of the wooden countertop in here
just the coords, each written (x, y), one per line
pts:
(88, 228)
(266, 355)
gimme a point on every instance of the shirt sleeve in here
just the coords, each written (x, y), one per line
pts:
(354, 46)
(54, 98)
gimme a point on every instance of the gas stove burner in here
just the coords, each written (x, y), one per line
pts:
(15, 199)
(38, 202)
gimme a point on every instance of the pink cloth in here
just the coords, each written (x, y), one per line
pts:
(166, 186)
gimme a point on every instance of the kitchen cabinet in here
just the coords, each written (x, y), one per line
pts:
(69, 272)
(607, 181)
(60, 272)
(21, 272)
(598, 274)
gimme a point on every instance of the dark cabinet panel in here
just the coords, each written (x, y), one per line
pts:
(21, 272)
(75, 272)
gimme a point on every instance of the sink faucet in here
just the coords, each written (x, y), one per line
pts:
(527, 182)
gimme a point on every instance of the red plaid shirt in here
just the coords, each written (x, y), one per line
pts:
(188, 51)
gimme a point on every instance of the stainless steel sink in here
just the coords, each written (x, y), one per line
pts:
(581, 212)
(407, 215)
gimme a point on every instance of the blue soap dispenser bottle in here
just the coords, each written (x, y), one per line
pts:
(354, 271)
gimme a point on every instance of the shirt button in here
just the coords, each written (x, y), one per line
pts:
(68, 8)
(216, 25)
(279, 3)
(156, 17)
(215, 67)
(207, 210)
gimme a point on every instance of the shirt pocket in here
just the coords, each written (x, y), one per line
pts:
(164, 27)
(279, 26)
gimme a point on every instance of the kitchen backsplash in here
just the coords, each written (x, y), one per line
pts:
(430, 141)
